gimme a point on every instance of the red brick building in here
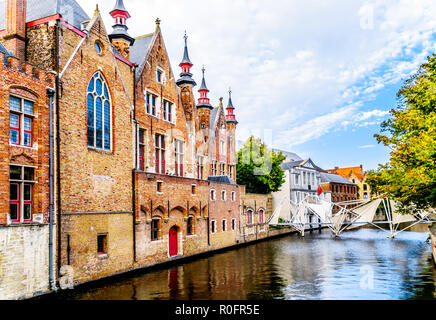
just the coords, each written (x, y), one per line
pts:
(26, 97)
(342, 190)
(132, 150)
(128, 170)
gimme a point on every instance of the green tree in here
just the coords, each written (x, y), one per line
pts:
(259, 168)
(410, 175)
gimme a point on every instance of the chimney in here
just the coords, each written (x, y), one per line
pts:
(15, 27)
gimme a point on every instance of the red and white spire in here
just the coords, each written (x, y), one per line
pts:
(203, 101)
(230, 109)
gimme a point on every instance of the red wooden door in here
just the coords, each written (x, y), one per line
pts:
(173, 249)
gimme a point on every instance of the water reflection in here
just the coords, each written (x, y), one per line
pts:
(315, 267)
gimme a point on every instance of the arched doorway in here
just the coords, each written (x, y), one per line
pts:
(173, 242)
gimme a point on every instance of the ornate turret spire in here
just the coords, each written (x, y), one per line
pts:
(230, 109)
(186, 65)
(119, 37)
(203, 101)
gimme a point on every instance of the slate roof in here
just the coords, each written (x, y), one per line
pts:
(119, 6)
(328, 177)
(70, 10)
(290, 155)
(221, 179)
(293, 164)
(203, 84)
(140, 49)
(213, 115)
(6, 52)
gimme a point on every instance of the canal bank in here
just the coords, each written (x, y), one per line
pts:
(289, 267)
(433, 240)
(271, 234)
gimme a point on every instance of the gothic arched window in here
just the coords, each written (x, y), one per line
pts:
(98, 104)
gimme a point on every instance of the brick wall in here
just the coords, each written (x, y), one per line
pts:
(256, 203)
(224, 210)
(172, 207)
(95, 185)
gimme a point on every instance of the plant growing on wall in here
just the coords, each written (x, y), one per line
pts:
(259, 168)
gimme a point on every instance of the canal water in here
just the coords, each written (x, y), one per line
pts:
(362, 264)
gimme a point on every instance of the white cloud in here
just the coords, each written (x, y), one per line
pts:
(369, 146)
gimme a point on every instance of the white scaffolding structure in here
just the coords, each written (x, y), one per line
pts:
(349, 215)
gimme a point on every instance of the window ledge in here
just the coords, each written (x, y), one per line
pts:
(102, 151)
(103, 256)
(24, 147)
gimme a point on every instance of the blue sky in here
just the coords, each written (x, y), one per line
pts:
(321, 75)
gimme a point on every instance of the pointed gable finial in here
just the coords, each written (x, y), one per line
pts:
(230, 117)
(221, 101)
(230, 105)
(158, 23)
(203, 70)
(186, 59)
(97, 10)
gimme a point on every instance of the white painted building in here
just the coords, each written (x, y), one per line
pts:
(302, 179)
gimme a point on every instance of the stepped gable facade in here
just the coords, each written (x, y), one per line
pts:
(132, 152)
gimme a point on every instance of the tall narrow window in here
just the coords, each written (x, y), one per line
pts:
(200, 168)
(222, 151)
(160, 153)
(21, 193)
(213, 168)
(141, 150)
(21, 121)
(261, 216)
(222, 169)
(190, 226)
(179, 157)
(167, 111)
(155, 230)
(153, 105)
(224, 222)
(147, 103)
(249, 217)
(98, 113)
(150, 106)
(213, 226)
(102, 244)
(170, 112)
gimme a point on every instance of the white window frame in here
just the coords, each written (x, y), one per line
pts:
(224, 192)
(162, 77)
(213, 223)
(224, 224)
(213, 191)
(158, 99)
(21, 184)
